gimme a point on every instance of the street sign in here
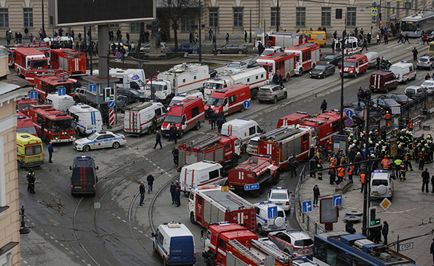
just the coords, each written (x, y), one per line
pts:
(249, 187)
(406, 246)
(272, 212)
(111, 104)
(385, 204)
(33, 95)
(349, 112)
(374, 11)
(348, 122)
(246, 104)
(337, 200)
(61, 91)
(92, 87)
(306, 206)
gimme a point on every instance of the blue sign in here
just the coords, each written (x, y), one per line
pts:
(337, 200)
(306, 206)
(33, 95)
(249, 187)
(111, 104)
(349, 112)
(61, 91)
(246, 104)
(272, 212)
(135, 77)
(92, 87)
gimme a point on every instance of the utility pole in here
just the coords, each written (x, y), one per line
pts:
(341, 129)
(277, 17)
(200, 31)
(250, 35)
(43, 18)
(90, 51)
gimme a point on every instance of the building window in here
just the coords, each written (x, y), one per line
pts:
(4, 17)
(351, 16)
(300, 16)
(2, 174)
(188, 24)
(213, 17)
(238, 16)
(275, 16)
(28, 17)
(388, 6)
(326, 16)
(135, 27)
(398, 8)
(338, 13)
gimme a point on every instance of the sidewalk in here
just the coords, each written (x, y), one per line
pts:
(411, 212)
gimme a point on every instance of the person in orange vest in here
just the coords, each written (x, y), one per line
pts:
(341, 174)
(385, 163)
(388, 118)
(332, 170)
(410, 124)
(362, 180)
(350, 173)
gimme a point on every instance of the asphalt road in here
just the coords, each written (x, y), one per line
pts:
(110, 229)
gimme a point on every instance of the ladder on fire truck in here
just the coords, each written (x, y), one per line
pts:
(202, 141)
(280, 133)
(246, 251)
(272, 251)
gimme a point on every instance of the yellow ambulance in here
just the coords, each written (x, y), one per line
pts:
(29, 150)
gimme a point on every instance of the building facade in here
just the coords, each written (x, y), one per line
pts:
(9, 193)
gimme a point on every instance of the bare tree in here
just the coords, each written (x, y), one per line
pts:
(176, 10)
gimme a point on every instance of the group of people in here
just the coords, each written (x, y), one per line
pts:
(142, 189)
(173, 136)
(175, 192)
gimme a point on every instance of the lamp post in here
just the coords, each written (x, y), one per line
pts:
(341, 129)
(43, 18)
(200, 31)
(250, 35)
(277, 17)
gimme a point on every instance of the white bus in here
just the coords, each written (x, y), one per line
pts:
(415, 24)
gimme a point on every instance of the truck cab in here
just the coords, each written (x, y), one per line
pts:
(354, 65)
(227, 101)
(184, 116)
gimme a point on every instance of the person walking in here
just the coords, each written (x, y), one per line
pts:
(415, 53)
(378, 38)
(316, 194)
(227, 38)
(150, 179)
(158, 139)
(406, 39)
(341, 174)
(323, 106)
(31, 179)
(362, 181)
(173, 132)
(425, 180)
(385, 231)
(175, 154)
(178, 195)
(50, 152)
(142, 193)
(365, 45)
(173, 192)
(245, 36)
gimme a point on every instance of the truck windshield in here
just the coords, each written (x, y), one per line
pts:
(214, 86)
(349, 64)
(173, 119)
(215, 102)
(60, 125)
(38, 63)
(33, 150)
(156, 87)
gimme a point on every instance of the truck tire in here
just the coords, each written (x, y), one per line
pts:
(197, 127)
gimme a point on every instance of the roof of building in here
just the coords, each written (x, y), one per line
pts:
(9, 91)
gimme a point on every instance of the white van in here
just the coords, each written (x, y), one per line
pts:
(372, 59)
(381, 185)
(175, 244)
(266, 222)
(403, 71)
(139, 117)
(198, 173)
(243, 129)
(87, 120)
(60, 102)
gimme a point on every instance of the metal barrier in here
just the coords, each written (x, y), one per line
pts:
(307, 223)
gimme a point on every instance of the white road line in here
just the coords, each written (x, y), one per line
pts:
(140, 231)
(124, 221)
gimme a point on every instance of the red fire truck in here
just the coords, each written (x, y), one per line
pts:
(281, 144)
(24, 104)
(254, 175)
(232, 244)
(51, 124)
(355, 65)
(69, 60)
(291, 119)
(218, 148)
(283, 39)
(28, 61)
(212, 205)
(25, 124)
(307, 56)
(45, 85)
(279, 63)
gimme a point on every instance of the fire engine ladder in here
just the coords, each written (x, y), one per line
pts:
(281, 133)
(245, 251)
(203, 141)
(272, 251)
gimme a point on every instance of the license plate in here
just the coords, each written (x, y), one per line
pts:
(78, 187)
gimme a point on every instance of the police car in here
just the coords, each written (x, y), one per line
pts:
(100, 140)
(281, 197)
(269, 217)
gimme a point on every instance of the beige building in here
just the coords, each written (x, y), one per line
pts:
(9, 193)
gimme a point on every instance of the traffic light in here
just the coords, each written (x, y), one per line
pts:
(373, 221)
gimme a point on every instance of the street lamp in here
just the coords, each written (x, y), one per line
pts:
(43, 19)
(277, 17)
(200, 31)
(341, 129)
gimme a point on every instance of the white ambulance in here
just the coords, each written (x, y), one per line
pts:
(243, 129)
(403, 71)
(87, 119)
(60, 102)
(199, 173)
(139, 117)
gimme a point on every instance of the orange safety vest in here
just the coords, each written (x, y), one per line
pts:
(341, 172)
(350, 170)
(362, 178)
(385, 163)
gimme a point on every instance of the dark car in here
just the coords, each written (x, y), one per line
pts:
(322, 71)
(186, 48)
(400, 98)
(83, 178)
(332, 58)
(121, 102)
(132, 95)
(385, 103)
(232, 49)
(212, 72)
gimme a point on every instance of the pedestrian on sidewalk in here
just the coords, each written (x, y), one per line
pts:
(245, 36)
(415, 53)
(175, 154)
(150, 180)
(332, 171)
(158, 139)
(406, 38)
(178, 194)
(385, 163)
(378, 38)
(362, 180)
(350, 173)
(50, 151)
(312, 167)
(385, 231)
(323, 106)
(142, 193)
(386, 38)
(173, 192)
(316, 195)
(319, 169)
(365, 45)
(349, 228)
(341, 174)
(227, 38)
(425, 180)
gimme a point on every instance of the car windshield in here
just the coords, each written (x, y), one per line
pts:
(379, 182)
(213, 85)
(215, 102)
(173, 119)
(349, 64)
(320, 67)
(303, 242)
(330, 57)
(410, 91)
(428, 83)
(33, 150)
(38, 63)
(279, 196)
(174, 101)
(235, 65)
(156, 87)
(265, 89)
(93, 136)
(423, 59)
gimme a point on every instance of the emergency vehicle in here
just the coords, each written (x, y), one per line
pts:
(211, 147)
(69, 60)
(228, 100)
(24, 104)
(383, 81)
(208, 206)
(25, 124)
(307, 56)
(29, 150)
(4, 60)
(185, 115)
(60, 102)
(355, 65)
(282, 39)
(28, 61)
(253, 77)
(351, 45)
(281, 144)
(199, 174)
(51, 124)
(139, 117)
(282, 64)
(228, 244)
(45, 85)
(243, 129)
(404, 71)
(253, 175)
(291, 119)
(87, 119)
(319, 37)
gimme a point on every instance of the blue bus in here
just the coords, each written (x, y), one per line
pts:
(343, 249)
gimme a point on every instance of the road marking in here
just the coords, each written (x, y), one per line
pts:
(61, 245)
(140, 231)
(135, 228)
(124, 221)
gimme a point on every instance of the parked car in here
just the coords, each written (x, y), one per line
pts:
(281, 197)
(237, 65)
(100, 140)
(402, 99)
(146, 48)
(428, 85)
(80, 95)
(83, 177)
(425, 61)
(332, 58)
(265, 223)
(386, 103)
(322, 70)
(132, 95)
(272, 93)
(232, 49)
(415, 91)
(186, 48)
(295, 243)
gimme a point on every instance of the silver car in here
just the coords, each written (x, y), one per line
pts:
(425, 61)
(272, 93)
